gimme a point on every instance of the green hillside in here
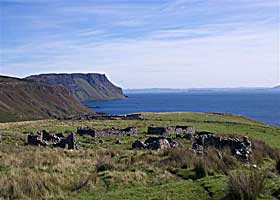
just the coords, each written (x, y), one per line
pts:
(106, 170)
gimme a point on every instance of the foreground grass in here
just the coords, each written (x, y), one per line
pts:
(180, 190)
(112, 171)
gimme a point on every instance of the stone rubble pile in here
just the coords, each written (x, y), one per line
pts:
(240, 148)
(155, 143)
(43, 138)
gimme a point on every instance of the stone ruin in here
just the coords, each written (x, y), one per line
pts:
(106, 132)
(166, 130)
(155, 143)
(162, 142)
(44, 138)
(240, 148)
(86, 131)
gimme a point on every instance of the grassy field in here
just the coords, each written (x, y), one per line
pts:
(114, 171)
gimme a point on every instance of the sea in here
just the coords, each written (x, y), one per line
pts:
(261, 106)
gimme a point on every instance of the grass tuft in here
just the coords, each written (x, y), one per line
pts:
(246, 185)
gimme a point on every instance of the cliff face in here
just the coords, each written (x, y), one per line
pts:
(84, 87)
(23, 99)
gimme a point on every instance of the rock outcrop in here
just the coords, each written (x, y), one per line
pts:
(84, 87)
(25, 100)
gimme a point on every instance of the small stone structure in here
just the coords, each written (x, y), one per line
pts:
(68, 142)
(85, 131)
(165, 130)
(138, 145)
(155, 143)
(35, 139)
(106, 132)
(44, 138)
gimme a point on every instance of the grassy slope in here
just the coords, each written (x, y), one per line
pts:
(224, 124)
(137, 174)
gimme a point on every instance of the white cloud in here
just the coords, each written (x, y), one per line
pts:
(232, 59)
(228, 50)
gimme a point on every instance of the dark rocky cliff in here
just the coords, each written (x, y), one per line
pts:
(24, 99)
(84, 87)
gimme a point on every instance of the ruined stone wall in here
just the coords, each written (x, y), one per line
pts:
(106, 132)
(165, 130)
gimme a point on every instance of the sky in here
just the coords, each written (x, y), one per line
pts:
(145, 43)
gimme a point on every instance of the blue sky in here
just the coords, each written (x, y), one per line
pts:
(145, 43)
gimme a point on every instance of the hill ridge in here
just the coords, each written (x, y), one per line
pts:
(84, 86)
(26, 99)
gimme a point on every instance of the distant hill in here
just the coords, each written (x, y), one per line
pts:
(25, 99)
(84, 87)
(202, 90)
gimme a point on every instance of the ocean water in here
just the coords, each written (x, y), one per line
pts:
(262, 106)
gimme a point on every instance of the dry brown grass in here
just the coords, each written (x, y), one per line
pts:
(38, 173)
(28, 172)
(246, 185)
(178, 158)
(261, 150)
